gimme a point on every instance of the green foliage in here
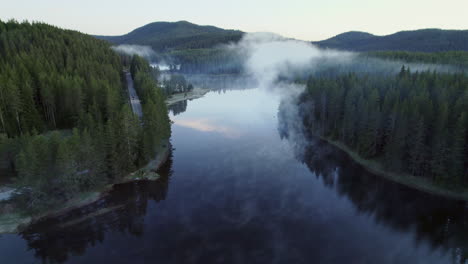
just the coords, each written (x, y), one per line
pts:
(412, 123)
(55, 167)
(193, 47)
(66, 127)
(156, 123)
(212, 60)
(49, 77)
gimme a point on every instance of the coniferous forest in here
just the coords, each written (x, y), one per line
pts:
(414, 123)
(186, 143)
(65, 122)
(457, 59)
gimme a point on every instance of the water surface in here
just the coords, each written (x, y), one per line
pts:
(240, 189)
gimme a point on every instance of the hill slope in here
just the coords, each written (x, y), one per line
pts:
(163, 36)
(424, 40)
(66, 127)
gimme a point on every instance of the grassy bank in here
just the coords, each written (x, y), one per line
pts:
(418, 183)
(194, 94)
(16, 220)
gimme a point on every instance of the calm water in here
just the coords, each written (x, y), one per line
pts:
(243, 187)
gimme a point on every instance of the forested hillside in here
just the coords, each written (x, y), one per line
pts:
(412, 123)
(49, 77)
(196, 48)
(423, 40)
(165, 36)
(192, 46)
(66, 125)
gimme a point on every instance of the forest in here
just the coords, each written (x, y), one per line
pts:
(455, 58)
(176, 84)
(193, 46)
(213, 61)
(66, 124)
(412, 123)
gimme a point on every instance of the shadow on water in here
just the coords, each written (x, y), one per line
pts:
(442, 222)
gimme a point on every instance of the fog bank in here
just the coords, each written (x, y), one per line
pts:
(143, 51)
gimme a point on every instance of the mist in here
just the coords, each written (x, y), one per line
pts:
(269, 58)
(143, 51)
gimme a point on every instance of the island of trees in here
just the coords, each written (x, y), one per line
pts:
(413, 124)
(66, 126)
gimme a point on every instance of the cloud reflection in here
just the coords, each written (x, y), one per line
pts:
(206, 125)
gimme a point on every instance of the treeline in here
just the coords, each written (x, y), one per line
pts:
(66, 124)
(411, 123)
(156, 123)
(202, 41)
(176, 84)
(455, 58)
(50, 77)
(214, 60)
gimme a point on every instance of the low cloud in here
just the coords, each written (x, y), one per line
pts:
(143, 51)
(268, 56)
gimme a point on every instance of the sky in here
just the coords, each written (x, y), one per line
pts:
(301, 19)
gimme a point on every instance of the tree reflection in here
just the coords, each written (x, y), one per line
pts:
(123, 210)
(224, 216)
(440, 221)
(178, 107)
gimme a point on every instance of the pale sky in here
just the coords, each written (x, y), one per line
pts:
(301, 19)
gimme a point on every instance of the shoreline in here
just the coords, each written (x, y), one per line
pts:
(405, 179)
(194, 94)
(15, 222)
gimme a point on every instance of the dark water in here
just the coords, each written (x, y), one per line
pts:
(240, 188)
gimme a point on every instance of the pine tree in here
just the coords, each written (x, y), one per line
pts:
(458, 153)
(67, 170)
(440, 148)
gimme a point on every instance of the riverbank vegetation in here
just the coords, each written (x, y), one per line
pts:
(66, 126)
(156, 123)
(413, 123)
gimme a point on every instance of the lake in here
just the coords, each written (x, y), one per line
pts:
(242, 187)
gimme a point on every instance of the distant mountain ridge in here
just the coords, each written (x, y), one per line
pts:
(183, 35)
(163, 36)
(423, 40)
(196, 47)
